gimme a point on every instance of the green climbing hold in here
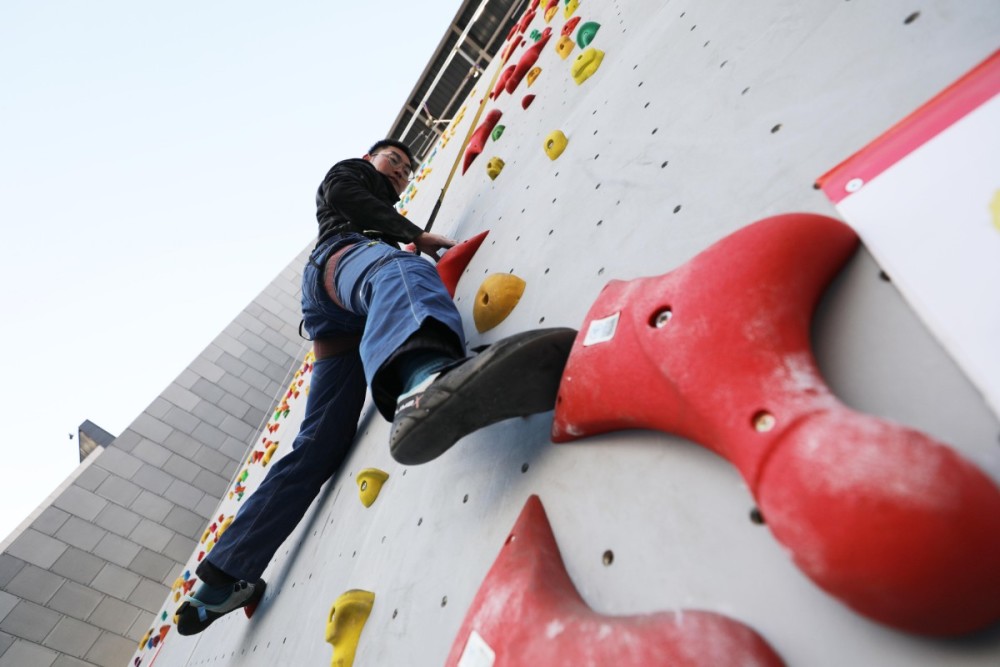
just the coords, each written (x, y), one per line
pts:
(585, 35)
(535, 35)
(497, 131)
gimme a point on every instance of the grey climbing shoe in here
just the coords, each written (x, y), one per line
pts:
(210, 603)
(514, 377)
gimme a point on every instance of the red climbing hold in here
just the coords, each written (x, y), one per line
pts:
(456, 259)
(529, 613)
(570, 26)
(479, 137)
(526, 101)
(501, 82)
(893, 523)
(527, 61)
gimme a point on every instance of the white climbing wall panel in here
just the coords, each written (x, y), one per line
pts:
(704, 117)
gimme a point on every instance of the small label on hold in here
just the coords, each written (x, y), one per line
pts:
(601, 331)
(477, 652)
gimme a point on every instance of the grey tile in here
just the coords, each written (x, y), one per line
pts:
(151, 535)
(276, 355)
(211, 352)
(209, 412)
(152, 565)
(81, 534)
(187, 379)
(231, 364)
(50, 520)
(182, 443)
(37, 548)
(92, 477)
(75, 600)
(206, 369)
(5, 642)
(209, 435)
(236, 428)
(118, 490)
(207, 390)
(211, 484)
(152, 479)
(159, 407)
(35, 584)
(78, 565)
(233, 385)
(7, 602)
(182, 420)
(252, 327)
(236, 407)
(80, 502)
(117, 550)
(126, 441)
(181, 397)
(119, 462)
(213, 460)
(149, 595)
(152, 453)
(271, 320)
(185, 495)
(69, 661)
(9, 567)
(150, 427)
(24, 654)
(230, 345)
(254, 360)
(142, 625)
(185, 522)
(256, 379)
(117, 519)
(152, 506)
(114, 615)
(259, 399)
(115, 581)
(206, 506)
(29, 621)
(181, 468)
(72, 637)
(235, 449)
(180, 548)
(111, 650)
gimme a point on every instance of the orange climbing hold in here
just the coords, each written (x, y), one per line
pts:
(454, 261)
(496, 299)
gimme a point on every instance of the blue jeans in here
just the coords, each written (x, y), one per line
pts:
(388, 296)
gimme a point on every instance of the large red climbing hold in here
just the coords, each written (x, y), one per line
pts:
(527, 612)
(478, 140)
(456, 259)
(527, 61)
(893, 523)
(501, 82)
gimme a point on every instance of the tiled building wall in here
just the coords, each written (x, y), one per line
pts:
(82, 577)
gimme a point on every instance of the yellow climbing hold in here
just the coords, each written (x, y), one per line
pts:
(224, 526)
(995, 209)
(494, 167)
(571, 7)
(497, 297)
(370, 481)
(555, 144)
(533, 74)
(345, 623)
(586, 64)
(269, 453)
(565, 46)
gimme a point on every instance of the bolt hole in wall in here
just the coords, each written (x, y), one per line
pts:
(756, 516)
(911, 18)
(608, 557)
(524, 467)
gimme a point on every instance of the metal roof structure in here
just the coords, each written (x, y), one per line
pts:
(468, 45)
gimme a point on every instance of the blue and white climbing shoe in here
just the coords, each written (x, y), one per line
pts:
(209, 603)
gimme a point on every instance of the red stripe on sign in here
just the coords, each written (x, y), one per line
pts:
(943, 110)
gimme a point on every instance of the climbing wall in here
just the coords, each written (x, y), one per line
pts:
(760, 454)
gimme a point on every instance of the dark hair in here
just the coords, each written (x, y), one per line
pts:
(392, 143)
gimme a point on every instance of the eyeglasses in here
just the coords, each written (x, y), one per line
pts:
(396, 162)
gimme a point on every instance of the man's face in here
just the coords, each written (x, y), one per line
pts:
(392, 162)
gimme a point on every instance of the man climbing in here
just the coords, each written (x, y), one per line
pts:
(380, 317)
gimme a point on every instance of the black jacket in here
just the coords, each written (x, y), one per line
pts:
(355, 197)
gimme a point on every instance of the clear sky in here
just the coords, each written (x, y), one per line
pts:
(158, 163)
